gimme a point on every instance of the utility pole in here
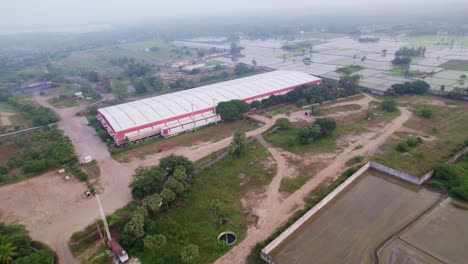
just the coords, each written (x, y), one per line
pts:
(103, 216)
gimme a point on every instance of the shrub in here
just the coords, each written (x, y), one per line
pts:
(389, 105)
(402, 147)
(232, 110)
(354, 160)
(283, 123)
(426, 113)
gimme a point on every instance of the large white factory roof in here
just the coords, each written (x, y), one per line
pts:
(149, 110)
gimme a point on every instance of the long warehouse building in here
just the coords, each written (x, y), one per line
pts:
(177, 112)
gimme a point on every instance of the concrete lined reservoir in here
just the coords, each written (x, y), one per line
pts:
(351, 225)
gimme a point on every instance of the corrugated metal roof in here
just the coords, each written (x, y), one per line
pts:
(145, 111)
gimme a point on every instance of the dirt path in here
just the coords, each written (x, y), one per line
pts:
(53, 209)
(277, 215)
(5, 118)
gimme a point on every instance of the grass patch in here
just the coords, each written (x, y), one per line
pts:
(455, 65)
(354, 160)
(211, 133)
(445, 133)
(62, 103)
(190, 222)
(281, 110)
(213, 63)
(288, 139)
(77, 173)
(341, 108)
(348, 70)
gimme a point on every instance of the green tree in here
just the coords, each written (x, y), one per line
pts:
(93, 76)
(120, 91)
(216, 209)
(153, 203)
(136, 226)
(63, 151)
(171, 162)
(168, 196)
(39, 257)
(232, 110)
(238, 144)
(283, 123)
(146, 181)
(175, 186)
(350, 83)
(189, 254)
(389, 105)
(327, 125)
(154, 243)
(7, 250)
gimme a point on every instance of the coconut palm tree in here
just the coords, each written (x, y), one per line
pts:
(7, 250)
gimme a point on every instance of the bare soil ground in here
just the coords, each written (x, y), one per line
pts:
(5, 119)
(276, 213)
(53, 209)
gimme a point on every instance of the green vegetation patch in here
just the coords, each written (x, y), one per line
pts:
(213, 63)
(37, 152)
(445, 131)
(289, 141)
(348, 70)
(456, 65)
(452, 178)
(142, 45)
(190, 222)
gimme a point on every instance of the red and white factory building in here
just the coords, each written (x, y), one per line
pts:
(170, 114)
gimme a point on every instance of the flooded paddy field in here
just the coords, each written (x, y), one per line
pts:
(354, 223)
(443, 63)
(441, 236)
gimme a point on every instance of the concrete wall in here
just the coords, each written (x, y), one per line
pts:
(22, 132)
(396, 173)
(275, 243)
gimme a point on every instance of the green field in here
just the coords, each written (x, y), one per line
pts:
(348, 70)
(456, 65)
(442, 135)
(190, 222)
(288, 140)
(213, 63)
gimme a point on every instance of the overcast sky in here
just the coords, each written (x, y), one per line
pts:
(21, 14)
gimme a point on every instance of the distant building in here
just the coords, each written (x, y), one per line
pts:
(79, 96)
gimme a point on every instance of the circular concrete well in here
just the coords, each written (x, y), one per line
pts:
(228, 237)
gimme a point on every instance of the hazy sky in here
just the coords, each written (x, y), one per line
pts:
(21, 14)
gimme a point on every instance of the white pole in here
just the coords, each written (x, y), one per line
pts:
(103, 216)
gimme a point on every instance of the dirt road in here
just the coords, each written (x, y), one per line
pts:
(53, 209)
(274, 215)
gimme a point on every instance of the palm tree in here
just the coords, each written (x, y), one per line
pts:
(189, 254)
(154, 243)
(153, 203)
(7, 250)
(168, 196)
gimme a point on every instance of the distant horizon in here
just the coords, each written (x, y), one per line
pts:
(77, 24)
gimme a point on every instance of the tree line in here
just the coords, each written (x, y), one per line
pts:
(307, 94)
(38, 115)
(156, 186)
